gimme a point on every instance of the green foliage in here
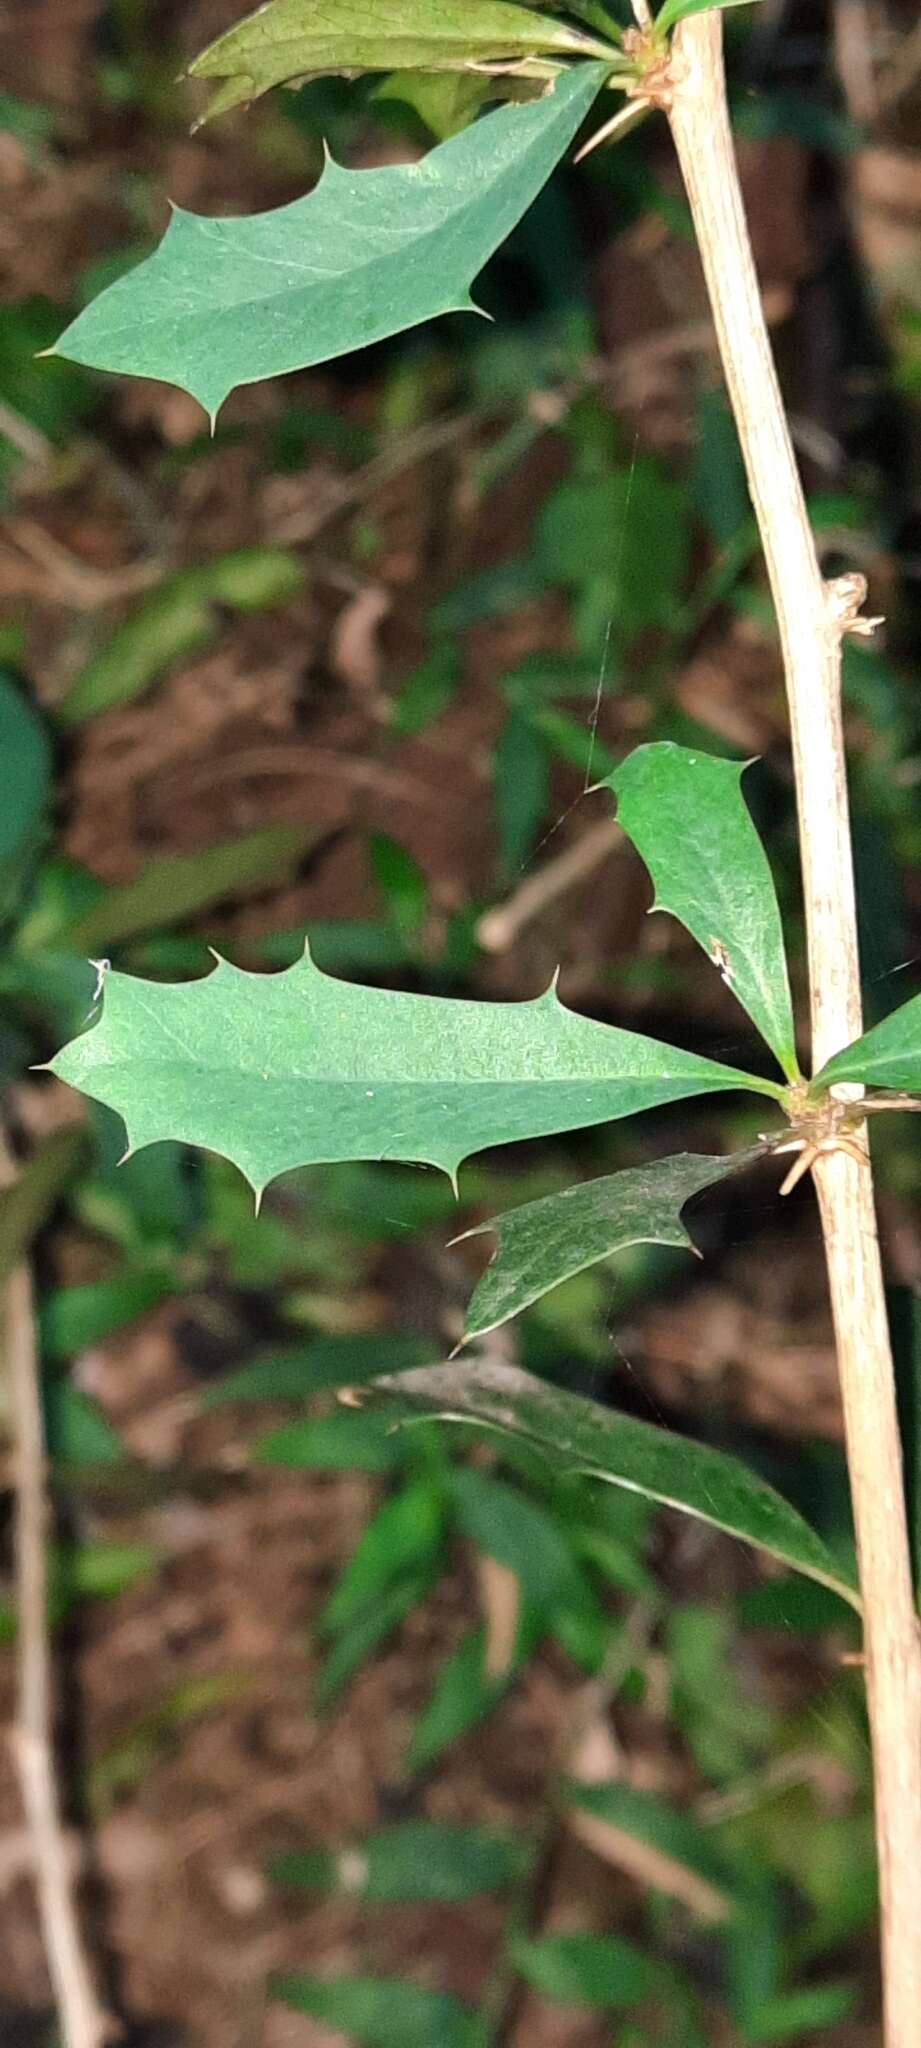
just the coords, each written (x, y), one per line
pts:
(551, 1239)
(590, 1969)
(287, 42)
(26, 758)
(889, 1056)
(415, 1860)
(381, 2012)
(181, 618)
(581, 1436)
(183, 885)
(228, 302)
(685, 813)
(278, 1071)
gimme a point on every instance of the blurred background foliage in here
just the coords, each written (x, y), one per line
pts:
(406, 1736)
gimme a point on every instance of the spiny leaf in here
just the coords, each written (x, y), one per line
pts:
(686, 815)
(365, 255)
(294, 1069)
(582, 1436)
(289, 41)
(549, 1240)
(889, 1056)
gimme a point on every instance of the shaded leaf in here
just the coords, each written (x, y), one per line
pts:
(582, 1436)
(590, 1969)
(180, 618)
(285, 1070)
(628, 535)
(76, 1431)
(184, 884)
(415, 1860)
(308, 1369)
(405, 1536)
(73, 1318)
(365, 255)
(370, 1628)
(507, 1526)
(547, 1241)
(26, 758)
(464, 1693)
(288, 41)
(383, 2012)
(686, 815)
(889, 1056)
(332, 1443)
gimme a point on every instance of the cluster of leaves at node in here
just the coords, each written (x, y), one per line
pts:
(369, 253)
(281, 1071)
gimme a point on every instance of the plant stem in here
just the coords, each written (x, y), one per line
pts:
(812, 617)
(81, 2021)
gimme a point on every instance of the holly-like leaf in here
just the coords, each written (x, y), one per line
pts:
(294, 1069)
(549, 1240)
(889, 1056)
(687, 817)
(365, 255)
(582, 1436)
(289, 41)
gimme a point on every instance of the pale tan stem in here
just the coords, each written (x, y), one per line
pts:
(812, 617)
(81, 2022)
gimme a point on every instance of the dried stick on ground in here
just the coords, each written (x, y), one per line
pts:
(81, 2023)
(812, 618)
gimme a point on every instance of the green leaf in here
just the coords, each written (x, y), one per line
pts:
(505, 1525)
(679, 10)
(332, 1443)
(292, 1069)
(382, 2012)
(177, 621)
(182, 616)
(308, 1369)
(416, 1860)
(462, 1696)
(184, 884)
(589, 1969)
(405, 1536)
(521, 779)
(369, 1629)
(365, 255)
(889, 1056)
(26, 758)
(76, 1431)
(289, 41)
(547, 1241)
(626, 534)
(686, 815)
(582, 1436)
(794, 2014)
(73, 1318)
